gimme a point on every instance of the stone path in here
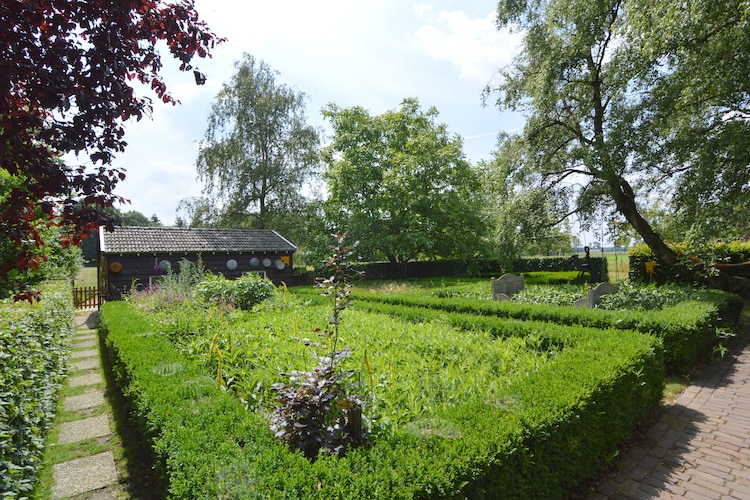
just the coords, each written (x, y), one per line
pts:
(699, 447)
(87, 423)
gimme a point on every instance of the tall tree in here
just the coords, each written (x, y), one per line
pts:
(523, 217)
(618, 111)
(66, 69)
(400, 184)
(258, 151)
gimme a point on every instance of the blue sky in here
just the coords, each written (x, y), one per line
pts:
(369, 53)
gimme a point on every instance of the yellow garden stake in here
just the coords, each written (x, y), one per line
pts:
(215, 348)
(650, 265)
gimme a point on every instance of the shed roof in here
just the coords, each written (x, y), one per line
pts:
(132, 239)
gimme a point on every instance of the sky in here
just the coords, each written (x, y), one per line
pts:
(369, 53)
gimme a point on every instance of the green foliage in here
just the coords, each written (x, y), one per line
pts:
(523, 217)
(484, 419)
(318, 410)
(55, 262)
(35, 342)
(649, 297)
(401, 184)
(687, 328)
(599, 271)
(258, 151)
(560, 295)
(243, 293)
(630, 101)
(736, 252)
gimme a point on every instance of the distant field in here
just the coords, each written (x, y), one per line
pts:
(617, 265)
(86, 277)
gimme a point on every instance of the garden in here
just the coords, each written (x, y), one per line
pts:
(421, 388)
(416, 389)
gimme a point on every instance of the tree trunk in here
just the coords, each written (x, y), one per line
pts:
(700, 272)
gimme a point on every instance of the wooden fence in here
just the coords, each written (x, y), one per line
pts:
(86, 297)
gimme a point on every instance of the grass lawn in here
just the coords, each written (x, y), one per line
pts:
(86, 277)
(617, 265)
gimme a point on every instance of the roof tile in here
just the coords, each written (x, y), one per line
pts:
(131, 239)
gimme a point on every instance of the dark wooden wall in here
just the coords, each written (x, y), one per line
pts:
(138, 268)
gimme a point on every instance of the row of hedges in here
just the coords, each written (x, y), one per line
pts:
(444, 268)
(688, 329)
(722, 253)
(554, 429)
(35, 341)
(556, 264)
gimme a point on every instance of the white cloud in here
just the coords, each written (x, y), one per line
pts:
(473, 45)
(369, 53)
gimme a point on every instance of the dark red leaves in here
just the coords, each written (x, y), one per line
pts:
(66, 67)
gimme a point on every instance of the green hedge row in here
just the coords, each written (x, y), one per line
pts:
(556, 427)
(687, 329)
(557, 264)
(731, 253)
(485, 267)
(35, 341)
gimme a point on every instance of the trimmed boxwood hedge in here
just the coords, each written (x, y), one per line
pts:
(688, 329)
(555, 429)
(35, 341)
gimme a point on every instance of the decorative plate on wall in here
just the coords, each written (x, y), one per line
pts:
(231, 264)
(279, 265)
(267, 262)
(165, 265)
(254, 262)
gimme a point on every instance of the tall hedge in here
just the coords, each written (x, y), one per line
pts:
(484, 267)
(735, 252)
(35, 341)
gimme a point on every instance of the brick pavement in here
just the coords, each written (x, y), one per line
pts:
(699, 447)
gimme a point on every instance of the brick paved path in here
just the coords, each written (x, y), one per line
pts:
(699, 447)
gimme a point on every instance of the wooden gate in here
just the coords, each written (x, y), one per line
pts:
(86, 297)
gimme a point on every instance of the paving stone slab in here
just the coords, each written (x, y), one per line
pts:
(88, 379)
(86, 364)
(86, 320)
(84, 344)
(89, 353)
(83, 474)
(87, 400)
(86, 428)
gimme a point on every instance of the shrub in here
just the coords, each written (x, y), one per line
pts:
(318, 411)
(647, 297)
(720, 252)
(688, 329)
(538, 434)
(35, 343)
(243, 293)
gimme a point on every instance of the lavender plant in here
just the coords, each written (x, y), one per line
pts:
(318, 410)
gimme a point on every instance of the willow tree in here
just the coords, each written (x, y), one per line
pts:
(627, 101)
(258, 150)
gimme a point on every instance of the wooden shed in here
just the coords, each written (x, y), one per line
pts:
(141, 255)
